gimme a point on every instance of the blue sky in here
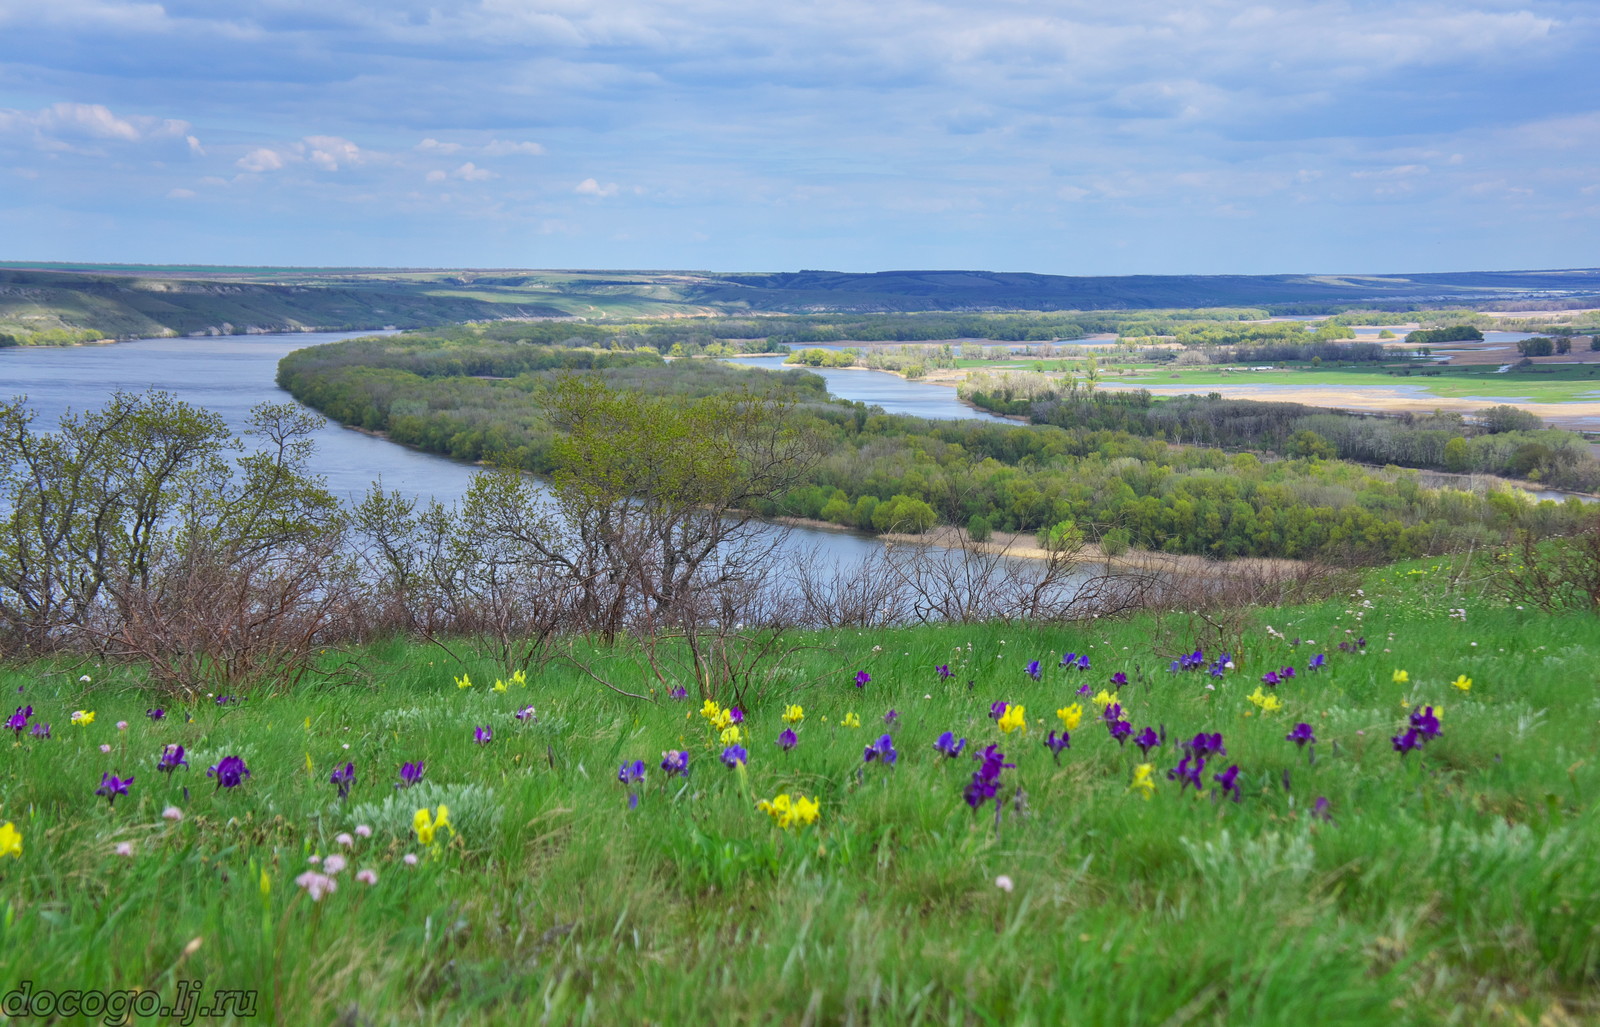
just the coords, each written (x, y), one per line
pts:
(1146, 136)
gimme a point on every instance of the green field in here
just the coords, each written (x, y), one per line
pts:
(1546, 385)
(1452, 884)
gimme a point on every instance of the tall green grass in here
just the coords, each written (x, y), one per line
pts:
(1458, 884)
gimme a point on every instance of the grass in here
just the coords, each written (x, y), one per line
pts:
(1548, 385)
(1457, 884)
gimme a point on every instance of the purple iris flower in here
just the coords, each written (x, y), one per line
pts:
(1301, 735)
(890, 717)
(997, 709)
(1056, 742)
(171, 759)
(631, 773)
(223, 700)
(1112, 712)
(1229, 780)
(112, 786)
(1120, 730)
(979, 791)
(734, 755)
(1033, 669)
(1285, 673)
(342, 778)
(1187, 771)
(675, 762)
(1425, 723)
(1083, 662)
(985, 783)
(1147, 740)
(230, 772)
(788, 739)
(1173, 667)
(40, 730)
(483, 735)
(1270, 679)
(862, 677)
(410, 774)
(19, 720)
(948, 745)
(1406, 742)
(1204, 746)
(1317, 662)
(678, 693)
(525, 714)
(1068, 659)
(882, 750)
(735, 715)
(944, 670)
(155, 713)
(1119, 679)
(1084, 689)
(1319, 811)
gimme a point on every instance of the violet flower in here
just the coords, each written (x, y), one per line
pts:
(735, 715)
(155, 713)
(483, 735)
(944, 670)
(1406, 742)
(1056, 742)
(410, 774)
(1187, 772)
(1084, 689)
(1033, 669)
(675, 762)
(1425, 723)
(678, 693)
(1317, 662)
(734, 755)
(525, 714)
(1119, 679)
(230, 772)
(1229, 780)
(1147, 740)
(882, 750)
(1204, 746)
(890, 717)
(19, 720)
(948, 745)
(342, 778)
(1120, 730)
(631, 773)
(112, 786)
(1068, 659)
(997, 709)
(1301, 735)
(171, 759)
(40, 730)
(1083, 662)
(862, 677)
(1270, 679)
(1319, 811)
(788, 739)
(1112, 713)
(1286, 674)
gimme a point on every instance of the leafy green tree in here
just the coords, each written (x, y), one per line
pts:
(979, 529)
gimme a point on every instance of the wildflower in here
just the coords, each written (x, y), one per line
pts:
(948, 745)
(122, 725)
(426, 826)
(19, 720)
(1032, 669)
(1270, 679)
(345, 839)
(105, 748)
(890, 717)
(1401, 677)
(367, 876)
(1083, 662)
(483, 735)
(171, 759)
(1187, 772)
(793, 714)
(1286, 674)
(1319, 811)
(787, 812)
(1229, 781)
(172, 813)
(1111, 713)
(1120, 730)
(851, 720)
(363, 831)
(40, 730)
(409, 859)
(882, 750)
(678, 693)
(112, 786)
(464, 681)
(10, 840)
(1068, 659)
(1119, 679)
(1015, 717)
(223, 700)
(862, 677)
(1085, 690)
(1268, 703)
(997, 709)
(1147, 740)
(1070, 716)
(1317, 662)
(734, 755)
(1004, 883)
(342, 778)
(1301, 735)
(519, 677)
(85, 679)
(1056, 742)
(83, 718)
(787, 739)
(1426, 723)
(730, 735)
(675, 762)
(230, 772)
(1407, 742)
(525, 714)
(410, 774)
(1203, 745)
(498, 686)
(333, 864)
(316, 885)
(943, 670)
(1144, 780)
(631, 773)
(1462, 683)
(1104, 699)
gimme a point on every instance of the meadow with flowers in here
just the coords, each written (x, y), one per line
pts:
(1380, 809)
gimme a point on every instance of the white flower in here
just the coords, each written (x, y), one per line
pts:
(409, 859)
(105, 748)
(172, 813)
(1003, 883)
(85, 679)
(124, 849)
(122, 725)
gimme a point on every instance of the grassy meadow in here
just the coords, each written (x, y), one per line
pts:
(1338, 881)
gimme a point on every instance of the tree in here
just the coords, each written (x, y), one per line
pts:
(979, 529)
(1457, 455)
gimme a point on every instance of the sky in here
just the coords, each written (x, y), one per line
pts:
(1066, 137)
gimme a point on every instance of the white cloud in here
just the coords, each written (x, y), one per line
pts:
(331, 152)
(435, 146)
(65, 126)
(437, 176)
(590, 187)
(470, 172)
(181, 194)
(261, 159)
(502, 148)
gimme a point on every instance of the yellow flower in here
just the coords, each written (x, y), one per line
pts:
(793, 714)
(444, 819)
(426, 825)
(498, 686)
(266, 884)
(1013, 718)
(1401, 677)
(786, 813)
(1104, 699)
(464, 681)
(519, 678)
(710, 710)
(730, 735)
(10, 840)
(851, 720)
(1268, 703)
(723, 721)
(804, 810)
(1143, 782)
(83, 718)
(1463, 683)
(1070, 716)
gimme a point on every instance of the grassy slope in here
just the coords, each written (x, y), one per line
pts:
(1548, 386)
(1458, 884)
